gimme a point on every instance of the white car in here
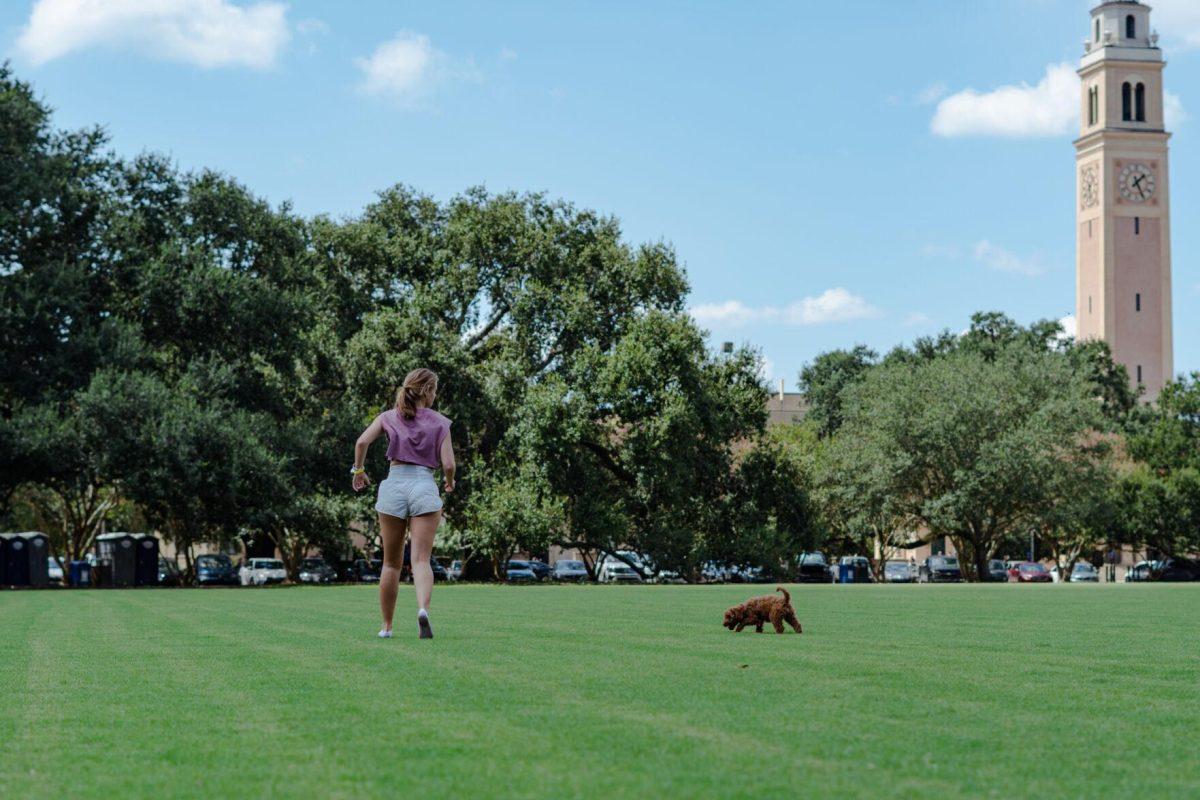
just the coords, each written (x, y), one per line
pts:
(261, 571)
(54, 573)
(614, 571)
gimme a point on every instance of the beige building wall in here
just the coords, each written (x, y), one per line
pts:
(1123, 262)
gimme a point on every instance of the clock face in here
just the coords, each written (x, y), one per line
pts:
(1137, 183)
(1089, 186)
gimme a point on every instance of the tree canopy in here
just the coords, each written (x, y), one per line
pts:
(186, 347)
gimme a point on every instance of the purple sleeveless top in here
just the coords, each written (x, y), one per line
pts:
(417, 440)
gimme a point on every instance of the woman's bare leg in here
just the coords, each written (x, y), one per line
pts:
(422, 529)
(391, 530)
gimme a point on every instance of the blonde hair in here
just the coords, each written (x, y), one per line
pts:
(420, 384)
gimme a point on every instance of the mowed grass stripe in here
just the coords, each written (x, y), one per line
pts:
(542, 691)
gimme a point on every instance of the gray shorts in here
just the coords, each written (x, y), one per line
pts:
(408, 491)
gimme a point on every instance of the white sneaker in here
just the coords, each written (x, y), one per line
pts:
(385, 634)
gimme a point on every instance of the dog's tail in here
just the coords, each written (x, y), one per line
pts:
(787, 598)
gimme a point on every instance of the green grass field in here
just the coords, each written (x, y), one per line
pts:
(948, 691)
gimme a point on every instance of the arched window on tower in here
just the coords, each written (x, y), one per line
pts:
(1093, 105)
(1130, 27)
(1140, 102)
(1127, 102)
(1097, 30)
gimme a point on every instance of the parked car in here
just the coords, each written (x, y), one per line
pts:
(860, 569)
(1083, 572)
(315, 570)
(997, 571)
(364, 571)
(712, 572)
(736, 575)
(898, 572)
(541, 569)
(812, 568)
(641, 564)
(216, 569)
(613, 571)
(570, 570)
(1175, 570)
(168, 572)
(54, 571)
(520, 572)
(1139, 572)
(439, 571)
(940, 569)
(1030, 572)
(455, 571)
(261, 571)
(343, 570)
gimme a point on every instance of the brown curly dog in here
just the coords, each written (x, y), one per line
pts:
(758, 610)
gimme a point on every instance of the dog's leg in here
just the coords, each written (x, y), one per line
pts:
(776, 621)
(758, 627)
(795, 623)
(739, 627)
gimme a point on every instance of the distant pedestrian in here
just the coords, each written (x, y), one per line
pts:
(418, 442)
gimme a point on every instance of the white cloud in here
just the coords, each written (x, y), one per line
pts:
(926, 97)
(916, 318)
(208, 33)
(1048, 109)
(310, 29)
(832, 305)
(407, 67)
(731, 313)
(1173, 112)
(1070, 329)
(932, 93)
(766, 369)
(402, 66)
(992, 256)
(508, 54)
(312, 25)
(997, 258)
(1178, 20)
(1051, 108)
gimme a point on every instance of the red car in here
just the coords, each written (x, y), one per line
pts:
(1029, 572)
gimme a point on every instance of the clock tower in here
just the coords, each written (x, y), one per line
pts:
(1123, 253)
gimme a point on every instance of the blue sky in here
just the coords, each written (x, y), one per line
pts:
(807, 160)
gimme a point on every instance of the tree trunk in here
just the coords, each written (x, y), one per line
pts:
(291, 550)
(981, 564)
(189, 569)
(972, 556)
(878, 563)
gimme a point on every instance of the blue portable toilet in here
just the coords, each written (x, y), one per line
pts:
(14, 560)
(80, 573)
(117, 553)
(145, 570)
(37, 545)
(24, 559)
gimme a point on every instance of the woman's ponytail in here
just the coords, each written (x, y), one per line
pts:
(420, 384)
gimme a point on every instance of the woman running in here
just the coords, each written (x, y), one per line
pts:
(418, 440)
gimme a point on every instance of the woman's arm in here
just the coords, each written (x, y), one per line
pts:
(372, 432)
(448, 465)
